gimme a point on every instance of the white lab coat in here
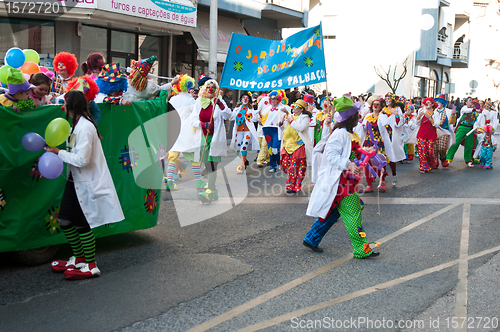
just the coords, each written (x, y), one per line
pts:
(186, 141)
(93, 183)
(332, 157)
(394, 149)
(255, 141)
(218, 147)
(151, 91)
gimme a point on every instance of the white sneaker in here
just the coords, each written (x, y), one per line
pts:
(395, 180)
(470, 164)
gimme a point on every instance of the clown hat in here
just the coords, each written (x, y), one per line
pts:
(202, 79)
(16, 82)
(441, 99)
(112, 73)
(309, 99)
(140, 70)
(429, 99)
(345, 108)
(249, 95)
(86, 85)
(476, 104)
(372, 99)
(301, 103)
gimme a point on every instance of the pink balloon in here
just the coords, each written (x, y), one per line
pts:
(43, 69)
(26, 77)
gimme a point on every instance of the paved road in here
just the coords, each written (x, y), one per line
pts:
(246, 269)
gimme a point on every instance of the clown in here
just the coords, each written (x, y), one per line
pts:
(208, 116)
(244, 132)
(141, 87)
(263, 156)
(270, 119)
(90, 89)
(112, 82)
(408, 129)
(327, 111)
(337, 178)
(311, 107)
(183, 103)
(391, 129)
(466, 123)
(65, 65)
(488, 145)
(17, 94)
(446, 135)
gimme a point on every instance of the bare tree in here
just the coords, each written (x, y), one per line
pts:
(386, 76)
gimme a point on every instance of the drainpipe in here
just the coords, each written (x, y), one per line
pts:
(212, 48)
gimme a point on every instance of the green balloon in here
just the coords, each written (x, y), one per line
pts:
(4, 71)
(57, 132)
(31, 55)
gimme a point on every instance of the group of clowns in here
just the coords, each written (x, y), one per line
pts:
(343, 142)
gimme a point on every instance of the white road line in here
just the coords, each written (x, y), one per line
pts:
(463, 266)
(287, 317)
(294, 283)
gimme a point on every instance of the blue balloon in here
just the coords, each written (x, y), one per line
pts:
(15, 57)
(50, 165)
(33, 142)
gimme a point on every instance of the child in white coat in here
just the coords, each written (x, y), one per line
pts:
(90, 198)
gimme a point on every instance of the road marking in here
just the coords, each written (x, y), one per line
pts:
(369, 200)
(294, 283)
(287, 317)
(463, 266)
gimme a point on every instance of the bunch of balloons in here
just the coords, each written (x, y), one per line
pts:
(50, 164)
(25, 60)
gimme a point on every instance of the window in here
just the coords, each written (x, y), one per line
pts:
(94, 40)
(36, 35)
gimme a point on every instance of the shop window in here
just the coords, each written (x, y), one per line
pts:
(149, 46)
(94, 40)
(36, 35)
(122, 42)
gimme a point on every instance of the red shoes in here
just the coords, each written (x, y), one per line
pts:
(368, 189)
(445, 163)
(382, 186)
(72, 263)
(88, 271)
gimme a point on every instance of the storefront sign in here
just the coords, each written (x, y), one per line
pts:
(259, 64)
(179, 12)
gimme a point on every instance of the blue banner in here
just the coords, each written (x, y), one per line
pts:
(259, 64)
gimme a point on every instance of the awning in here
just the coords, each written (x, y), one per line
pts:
(225, 28)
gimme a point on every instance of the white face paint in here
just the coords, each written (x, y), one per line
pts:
(244, 100)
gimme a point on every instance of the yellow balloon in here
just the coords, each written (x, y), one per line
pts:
(57, 132)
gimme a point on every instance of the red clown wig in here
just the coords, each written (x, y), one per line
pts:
(90, 92)
(69, 61)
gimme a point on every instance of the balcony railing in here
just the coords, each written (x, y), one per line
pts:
(461, 52)
(442, 48)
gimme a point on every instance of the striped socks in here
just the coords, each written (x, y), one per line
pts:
(88, 244)
(74, 240)
(170, 171)
(196, 170)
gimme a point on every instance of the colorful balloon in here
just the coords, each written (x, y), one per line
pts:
(30, 67)
(50, 165)
(57, 132)
(26, 77)
(31, 55)
(4, 71)
(14, 57)
(33, 142)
